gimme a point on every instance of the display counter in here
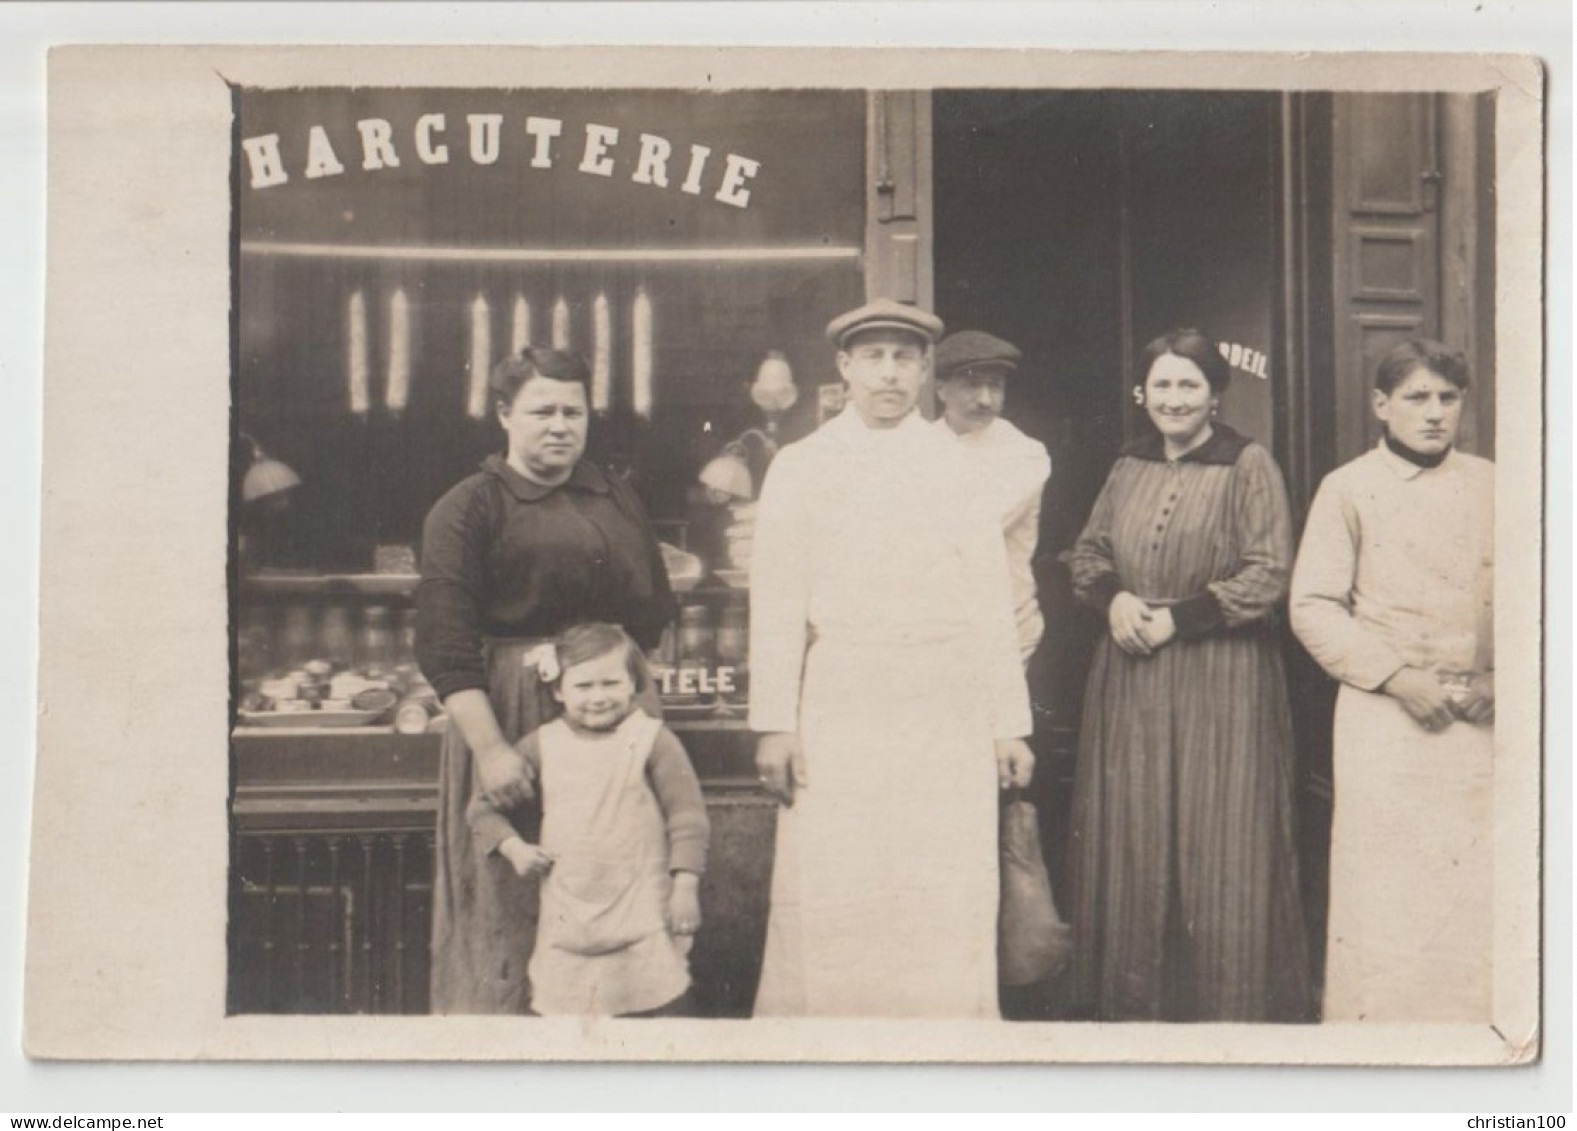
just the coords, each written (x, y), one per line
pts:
(333, 838)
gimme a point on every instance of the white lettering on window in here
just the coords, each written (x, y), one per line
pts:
(596, 159)
(321, 161)
(544, 130)
(692, 179)
(262, 154)
(652, 168)
(377, 144)
(431, 154)
(733, 189)
(485, 132)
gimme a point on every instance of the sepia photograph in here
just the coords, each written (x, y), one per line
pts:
(1008, 567)
(516, 363)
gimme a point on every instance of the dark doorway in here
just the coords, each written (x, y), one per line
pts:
(1080, 225)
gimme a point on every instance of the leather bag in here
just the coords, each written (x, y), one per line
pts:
(1032, 940)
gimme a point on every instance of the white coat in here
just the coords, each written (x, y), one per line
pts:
(882, 633)
(1014, 469)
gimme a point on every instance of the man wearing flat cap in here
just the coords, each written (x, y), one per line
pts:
(972, 371)
(885, 683)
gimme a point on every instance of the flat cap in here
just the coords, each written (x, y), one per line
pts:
(884, 314)
(968, 348)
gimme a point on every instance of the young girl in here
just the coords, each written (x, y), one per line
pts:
(624, 840)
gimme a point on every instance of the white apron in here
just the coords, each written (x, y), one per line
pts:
(603, 946)
(884, 886)
(1412, 837)
(873, 569)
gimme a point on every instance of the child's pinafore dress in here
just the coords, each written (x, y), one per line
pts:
(603, 945)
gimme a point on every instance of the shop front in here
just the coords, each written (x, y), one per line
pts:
(392, 244)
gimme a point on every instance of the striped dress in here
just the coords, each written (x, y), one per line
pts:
(1185, 879)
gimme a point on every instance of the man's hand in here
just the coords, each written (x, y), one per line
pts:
(1422, 696)
(1015, 763)
(781, 765)
(505, 780)
(1128, 617)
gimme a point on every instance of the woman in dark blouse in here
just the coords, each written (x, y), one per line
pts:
(536, 541)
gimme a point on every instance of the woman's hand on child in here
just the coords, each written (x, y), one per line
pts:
(527, 859)
(506, 783)
(684, 904)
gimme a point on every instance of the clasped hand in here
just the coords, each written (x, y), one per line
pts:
(1431, 704)
(1477, 703)
(1137, 628)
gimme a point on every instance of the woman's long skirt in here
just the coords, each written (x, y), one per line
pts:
(1411, 867)
(884, 887)
(484, 915)
(1184, 857)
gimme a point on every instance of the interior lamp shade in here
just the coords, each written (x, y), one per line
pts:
(773, 389)
(728, 475)
(267, 476)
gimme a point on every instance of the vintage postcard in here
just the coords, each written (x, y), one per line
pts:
(780, 555)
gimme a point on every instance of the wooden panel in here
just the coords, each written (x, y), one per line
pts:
(1392, 139)
(898, 197)
(1307, 319)
(1467, 255)
(895, 150)
(1385, 245)
(331, 923)
(1388, 266)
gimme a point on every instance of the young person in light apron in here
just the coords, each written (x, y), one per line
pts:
(1393, 595)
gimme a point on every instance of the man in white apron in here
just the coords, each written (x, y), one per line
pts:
(972, 370)
(886, 684)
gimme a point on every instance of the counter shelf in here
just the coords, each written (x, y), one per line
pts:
(332, 857)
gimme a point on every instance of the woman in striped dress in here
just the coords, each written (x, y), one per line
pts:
(1185, 882)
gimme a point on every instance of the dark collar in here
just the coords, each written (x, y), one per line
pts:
(1411, 455)
(587, 476)
(1223, 447)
